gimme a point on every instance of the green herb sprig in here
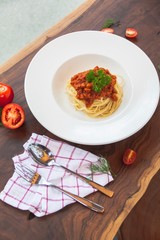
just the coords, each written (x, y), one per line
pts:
(110, 22)
(99, 79)
(101, 166)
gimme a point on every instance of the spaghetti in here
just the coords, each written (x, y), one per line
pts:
(95, 92)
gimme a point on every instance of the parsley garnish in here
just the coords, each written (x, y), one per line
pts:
(99, 79)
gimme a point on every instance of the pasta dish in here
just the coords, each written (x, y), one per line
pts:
(95, 92)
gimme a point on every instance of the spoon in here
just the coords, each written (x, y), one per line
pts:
(44, 156)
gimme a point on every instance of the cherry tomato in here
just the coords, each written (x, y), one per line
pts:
(131, 33)
(13, 116)
(6, 94)
(129, 156)
(108, 30)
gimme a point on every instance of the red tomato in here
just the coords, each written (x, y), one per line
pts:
(6, 94)
(131, 33)
(108, 30)
(129, 156)
(13, 116)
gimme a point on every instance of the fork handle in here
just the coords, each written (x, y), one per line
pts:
(97, 186)
(87, 203)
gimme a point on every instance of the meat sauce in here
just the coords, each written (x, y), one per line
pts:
(85, 90)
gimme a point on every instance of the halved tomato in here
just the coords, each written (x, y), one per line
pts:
(13, 116)
(6, 94)
(129, 156)
(131, 33)
(108, 30)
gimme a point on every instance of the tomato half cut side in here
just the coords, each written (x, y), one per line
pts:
(6, 94)
(129, 156)
(131, 33)
(108, 30)
(13, 116)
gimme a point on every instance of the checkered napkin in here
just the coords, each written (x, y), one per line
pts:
(44, 200)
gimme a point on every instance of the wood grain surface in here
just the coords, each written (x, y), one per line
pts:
(143, 221)
(128, 207)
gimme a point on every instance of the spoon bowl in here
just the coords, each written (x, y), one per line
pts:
(41, 154)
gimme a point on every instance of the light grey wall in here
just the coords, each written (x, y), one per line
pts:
(22, 21)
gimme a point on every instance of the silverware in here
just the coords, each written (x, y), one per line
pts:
(35, 178)
(44, 156)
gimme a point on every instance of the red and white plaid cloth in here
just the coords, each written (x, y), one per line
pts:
(44, 200)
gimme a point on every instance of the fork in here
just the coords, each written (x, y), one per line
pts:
(35, 178)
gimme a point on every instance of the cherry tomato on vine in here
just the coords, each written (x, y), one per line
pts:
(13, 116)
(131, 33)
(6, 94)
(129, 156)
(108, 30)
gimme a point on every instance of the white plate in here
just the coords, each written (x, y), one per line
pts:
(60, 59)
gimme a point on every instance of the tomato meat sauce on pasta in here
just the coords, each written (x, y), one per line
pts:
(95, 92)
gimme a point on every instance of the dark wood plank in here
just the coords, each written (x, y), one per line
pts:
(143, 221)
(76, 222)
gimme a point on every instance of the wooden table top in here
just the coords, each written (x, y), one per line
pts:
(75, 221)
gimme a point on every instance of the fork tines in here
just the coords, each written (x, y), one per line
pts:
(27, 174)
